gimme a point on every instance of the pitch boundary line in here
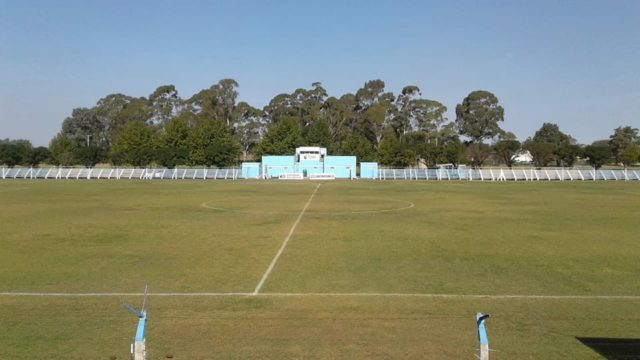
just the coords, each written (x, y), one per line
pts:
(284, 244)
(319, 294)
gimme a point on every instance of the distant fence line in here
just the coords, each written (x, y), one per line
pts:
(441, 174)
(63, 173)
(509, 174)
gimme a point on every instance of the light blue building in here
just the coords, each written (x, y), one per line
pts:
(250, 170)
(274, 165)
(306, 162)
(368, 170)
(343, 167)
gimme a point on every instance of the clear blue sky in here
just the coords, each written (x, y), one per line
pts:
(575, 63)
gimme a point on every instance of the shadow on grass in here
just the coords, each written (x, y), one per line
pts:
(613, 348)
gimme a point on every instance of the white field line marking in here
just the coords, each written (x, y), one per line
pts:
(469, 296)
(409, 205)
(106, 294)
(399, 295)
(284, 243)
(13, 189)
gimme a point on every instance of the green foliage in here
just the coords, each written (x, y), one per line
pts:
(372, 92)
(452, 152)
(549, 145)
(135, 110)
(506, 148)
(431, 154)
(98, 127)
(173, 143)
(452, 148)
(39, 155)
(89, 156)
(62, 150)
(210, 144)
(477, 154)
(373, 123)
(433, 149)
(134, 145)
(630, 155)
(248, 128)
(354, 123)
(15, 152)
(318, 134)
(359, 146)
(478, 116)
(109, 111)
(85, 128)
(415, 114)
(164, 102)
(303, 106)
(281, 138)
(623, 138)
(598, 154)
(541, 153)
(374, 112)
(395, 152)
(223, 151)
(566, 154)
(225, 101)
(341, 116)
(550, 133)
(428, 115)
(218, 102)
(282, 106)
(170, 158)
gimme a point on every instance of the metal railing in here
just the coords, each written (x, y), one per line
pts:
(57, 173)
(509, 174)
(441, 174)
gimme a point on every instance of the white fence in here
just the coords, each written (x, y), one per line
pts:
(486, 174)
(507, 174)
(120, 173)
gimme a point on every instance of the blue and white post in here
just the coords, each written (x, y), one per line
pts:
(138, 351)
(483, 340)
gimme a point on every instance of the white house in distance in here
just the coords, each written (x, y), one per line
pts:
(523, 157)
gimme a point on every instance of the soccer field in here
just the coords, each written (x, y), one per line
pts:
(343, 269)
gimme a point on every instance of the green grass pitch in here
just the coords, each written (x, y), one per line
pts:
(359, 277)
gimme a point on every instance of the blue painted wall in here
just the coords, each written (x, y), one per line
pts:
(274, 165)
(343, 167)
(250, 170)
(310, 167)
(368, 170)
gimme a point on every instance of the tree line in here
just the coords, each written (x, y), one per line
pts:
(211, 128)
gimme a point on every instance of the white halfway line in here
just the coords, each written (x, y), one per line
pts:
(284, 244)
